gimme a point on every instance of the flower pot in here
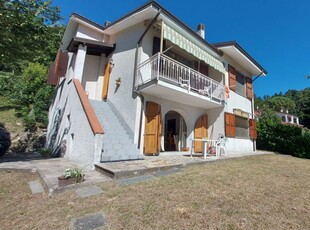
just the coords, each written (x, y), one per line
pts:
(118, 83)
(62, 181)
(185, 149)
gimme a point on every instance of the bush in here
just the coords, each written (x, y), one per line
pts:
(285, 139)
(33, 96)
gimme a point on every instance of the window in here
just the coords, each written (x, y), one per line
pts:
(242, 126)
(240, 84)
(237, 126)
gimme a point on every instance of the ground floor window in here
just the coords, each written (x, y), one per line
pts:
(238, 126)
(242, 127)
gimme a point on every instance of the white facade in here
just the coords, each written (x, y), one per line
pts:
(182, 99)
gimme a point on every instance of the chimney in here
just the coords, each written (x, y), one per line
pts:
(201, 30)
(107, 23)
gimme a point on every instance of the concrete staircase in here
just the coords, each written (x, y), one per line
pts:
(118, 138)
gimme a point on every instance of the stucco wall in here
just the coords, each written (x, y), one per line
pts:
(190, 115)
(91, 75)
(73, 130)
(122, 97)
(237, 101)
(85, 32)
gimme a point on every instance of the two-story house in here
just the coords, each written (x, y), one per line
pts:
(146, 84)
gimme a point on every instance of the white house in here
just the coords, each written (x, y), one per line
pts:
(174, 87)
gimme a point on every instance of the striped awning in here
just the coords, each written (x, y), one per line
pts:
(176, 38)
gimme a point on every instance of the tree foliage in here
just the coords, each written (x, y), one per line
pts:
(32, 95)
(274, 136)
(29, 33)
(297, 102)
(29, 38)
(278, 103)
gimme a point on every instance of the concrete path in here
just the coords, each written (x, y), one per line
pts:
(161, 163)
(49, 170)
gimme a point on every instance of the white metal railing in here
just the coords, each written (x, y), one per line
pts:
(161, 67)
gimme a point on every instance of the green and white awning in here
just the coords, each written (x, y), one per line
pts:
(176, 38)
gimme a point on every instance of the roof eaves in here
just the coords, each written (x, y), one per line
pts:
(235, 44)
(183, 25)
(87, 20)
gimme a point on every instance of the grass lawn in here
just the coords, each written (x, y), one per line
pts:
(258, 192)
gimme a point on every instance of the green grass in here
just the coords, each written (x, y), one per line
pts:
(258, 192)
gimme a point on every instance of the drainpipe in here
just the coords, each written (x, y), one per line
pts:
(135, 92)
(252, 107)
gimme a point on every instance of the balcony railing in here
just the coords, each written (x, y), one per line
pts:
(163, 68)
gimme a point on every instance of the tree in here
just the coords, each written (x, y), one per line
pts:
(32, 95)
(29, 33)
(278, 103)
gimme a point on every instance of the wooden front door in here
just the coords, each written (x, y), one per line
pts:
(200, 132)
(152, 132)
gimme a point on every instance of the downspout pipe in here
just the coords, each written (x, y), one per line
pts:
(252, 107)
(139, 44)
(135, 92)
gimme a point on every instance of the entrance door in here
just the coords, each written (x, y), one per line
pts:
(200, 132)
(152, 133)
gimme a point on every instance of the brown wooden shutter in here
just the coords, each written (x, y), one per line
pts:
(249, 88)
(200, 132)
(253, 132)
(106, 81)
(230, 125)
(152, 132)
(232, 77)
(59, 68)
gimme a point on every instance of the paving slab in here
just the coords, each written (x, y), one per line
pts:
(36, 187)
(89, 222)
(160, 164)
(88, 191)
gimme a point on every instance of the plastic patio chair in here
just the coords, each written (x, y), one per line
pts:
(221, 145)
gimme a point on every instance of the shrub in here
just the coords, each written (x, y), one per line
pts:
(285, 139)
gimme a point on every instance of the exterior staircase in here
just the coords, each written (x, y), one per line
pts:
(118, 138)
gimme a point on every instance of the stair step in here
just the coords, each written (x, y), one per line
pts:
(118, 142)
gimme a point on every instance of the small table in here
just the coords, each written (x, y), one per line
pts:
(205, 144)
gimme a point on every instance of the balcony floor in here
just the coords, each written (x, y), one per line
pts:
(176, 93)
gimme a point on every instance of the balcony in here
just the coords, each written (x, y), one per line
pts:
(166, 78)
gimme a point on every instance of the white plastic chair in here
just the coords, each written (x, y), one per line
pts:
(221, 144)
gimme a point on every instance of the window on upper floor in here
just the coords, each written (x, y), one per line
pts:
(240, 83)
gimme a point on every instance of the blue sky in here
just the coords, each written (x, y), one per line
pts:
(275, 33)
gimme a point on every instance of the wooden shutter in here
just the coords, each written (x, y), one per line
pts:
(230, 125)
(232, 77)
(249, 88)
(200, 132)
(59, 68)
(252, 126)
(106, 80)
(152, 132)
